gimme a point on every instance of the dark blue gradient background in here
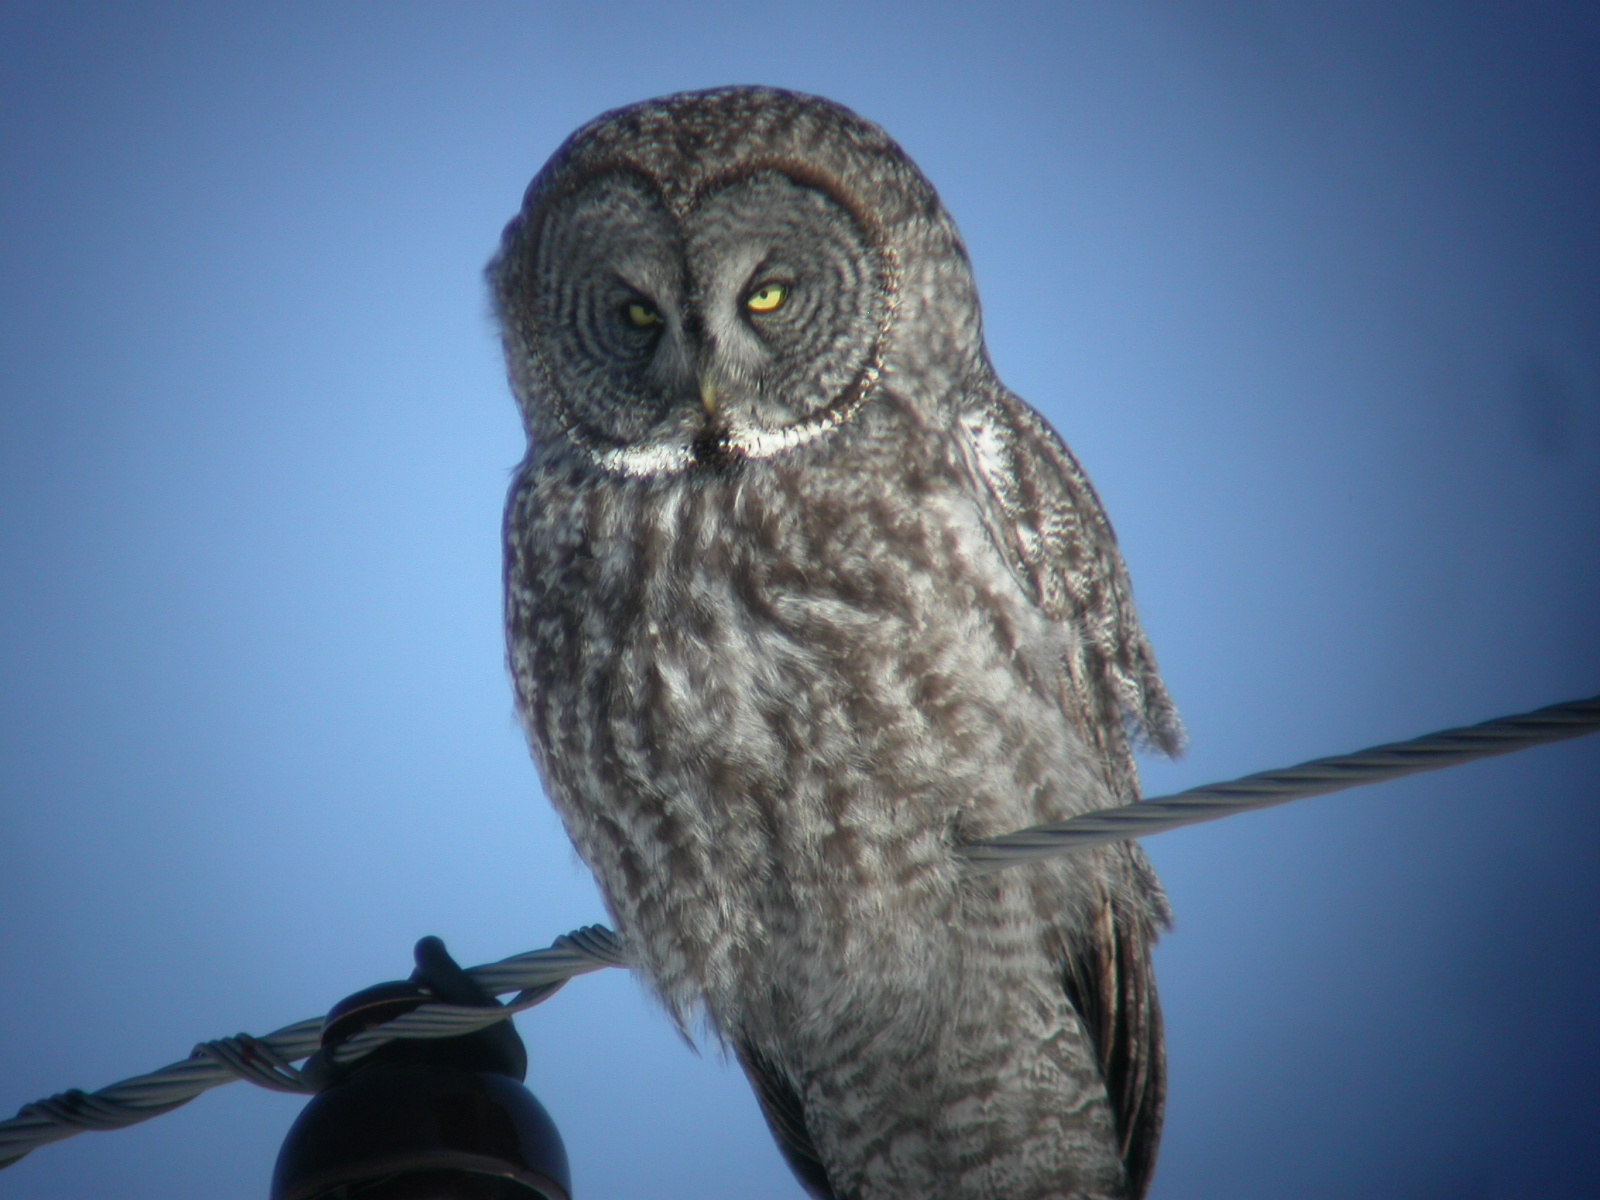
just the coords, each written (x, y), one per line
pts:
(1314, 292)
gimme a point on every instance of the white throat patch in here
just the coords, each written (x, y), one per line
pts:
(667, 458)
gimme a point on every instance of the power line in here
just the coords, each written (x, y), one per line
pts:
(1318, 777)
(538, 974)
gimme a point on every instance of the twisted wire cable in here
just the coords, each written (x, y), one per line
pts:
(537, 975)
(267, 1061)
(1315, 778)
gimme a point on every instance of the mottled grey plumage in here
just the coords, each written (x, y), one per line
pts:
(800, 597)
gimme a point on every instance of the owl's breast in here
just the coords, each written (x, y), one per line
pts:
(768, 702)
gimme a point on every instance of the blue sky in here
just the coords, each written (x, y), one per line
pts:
(1313, 291)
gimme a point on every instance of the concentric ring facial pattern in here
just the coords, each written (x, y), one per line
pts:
(709, 365)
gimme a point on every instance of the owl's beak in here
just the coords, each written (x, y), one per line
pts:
(708, 395)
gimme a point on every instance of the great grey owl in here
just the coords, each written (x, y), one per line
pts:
(799, 598)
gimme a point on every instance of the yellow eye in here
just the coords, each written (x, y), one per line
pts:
(767, 298)
(643, 316)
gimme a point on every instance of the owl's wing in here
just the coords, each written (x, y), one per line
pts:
(1048, 523)
(1110, 983)
(786, 1117)
(1046, 520)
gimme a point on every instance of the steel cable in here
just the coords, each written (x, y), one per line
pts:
(537, 975)
(1318, 777)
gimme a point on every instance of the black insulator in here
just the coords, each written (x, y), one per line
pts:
(434, 1119)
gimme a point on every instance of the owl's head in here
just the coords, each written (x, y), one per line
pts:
(725, 275)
